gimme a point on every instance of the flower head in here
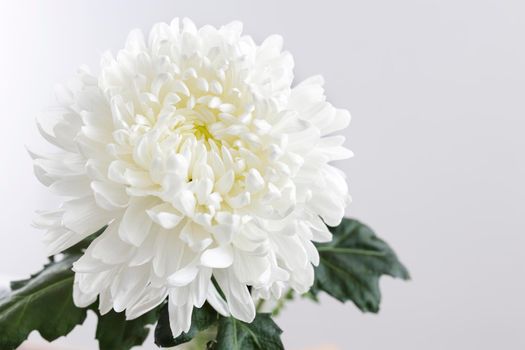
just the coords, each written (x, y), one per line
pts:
(207, 167)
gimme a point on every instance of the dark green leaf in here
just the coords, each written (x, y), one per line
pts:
(261, 334)
(351, 265)
(43, 303)
(201, 319)
(115, 333)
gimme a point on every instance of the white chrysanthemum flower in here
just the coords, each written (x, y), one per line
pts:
(204, 163)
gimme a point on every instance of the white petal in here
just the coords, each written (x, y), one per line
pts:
(225, 182)
(105, 303)
(239, 300)
(82, 299)
(164, 215)
(180, 317)
(88, 264)
(250, 269)
(109, 196)
(136, 223)
(109, 248)
(150, 299)
(71, 186)
(203, 190)
(59, 239)
(341, 121)
(239, 201)
(146, 251)
(185, 202)
(220, 257)
(183, 277)
(218, 303)
(84, 216)
(199, 288)
(128, 286)
(195, 236)
(328, 206)
(254, 181)
(320, 231)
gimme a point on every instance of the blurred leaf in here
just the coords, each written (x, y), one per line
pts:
(352, 263)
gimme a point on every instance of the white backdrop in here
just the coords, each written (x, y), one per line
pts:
(436, 90)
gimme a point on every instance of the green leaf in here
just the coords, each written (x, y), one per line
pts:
(261, 334)
(115, 333)
(43, 303)
(352, 263)
(201, 319)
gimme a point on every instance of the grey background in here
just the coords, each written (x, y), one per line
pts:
(436, 92)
